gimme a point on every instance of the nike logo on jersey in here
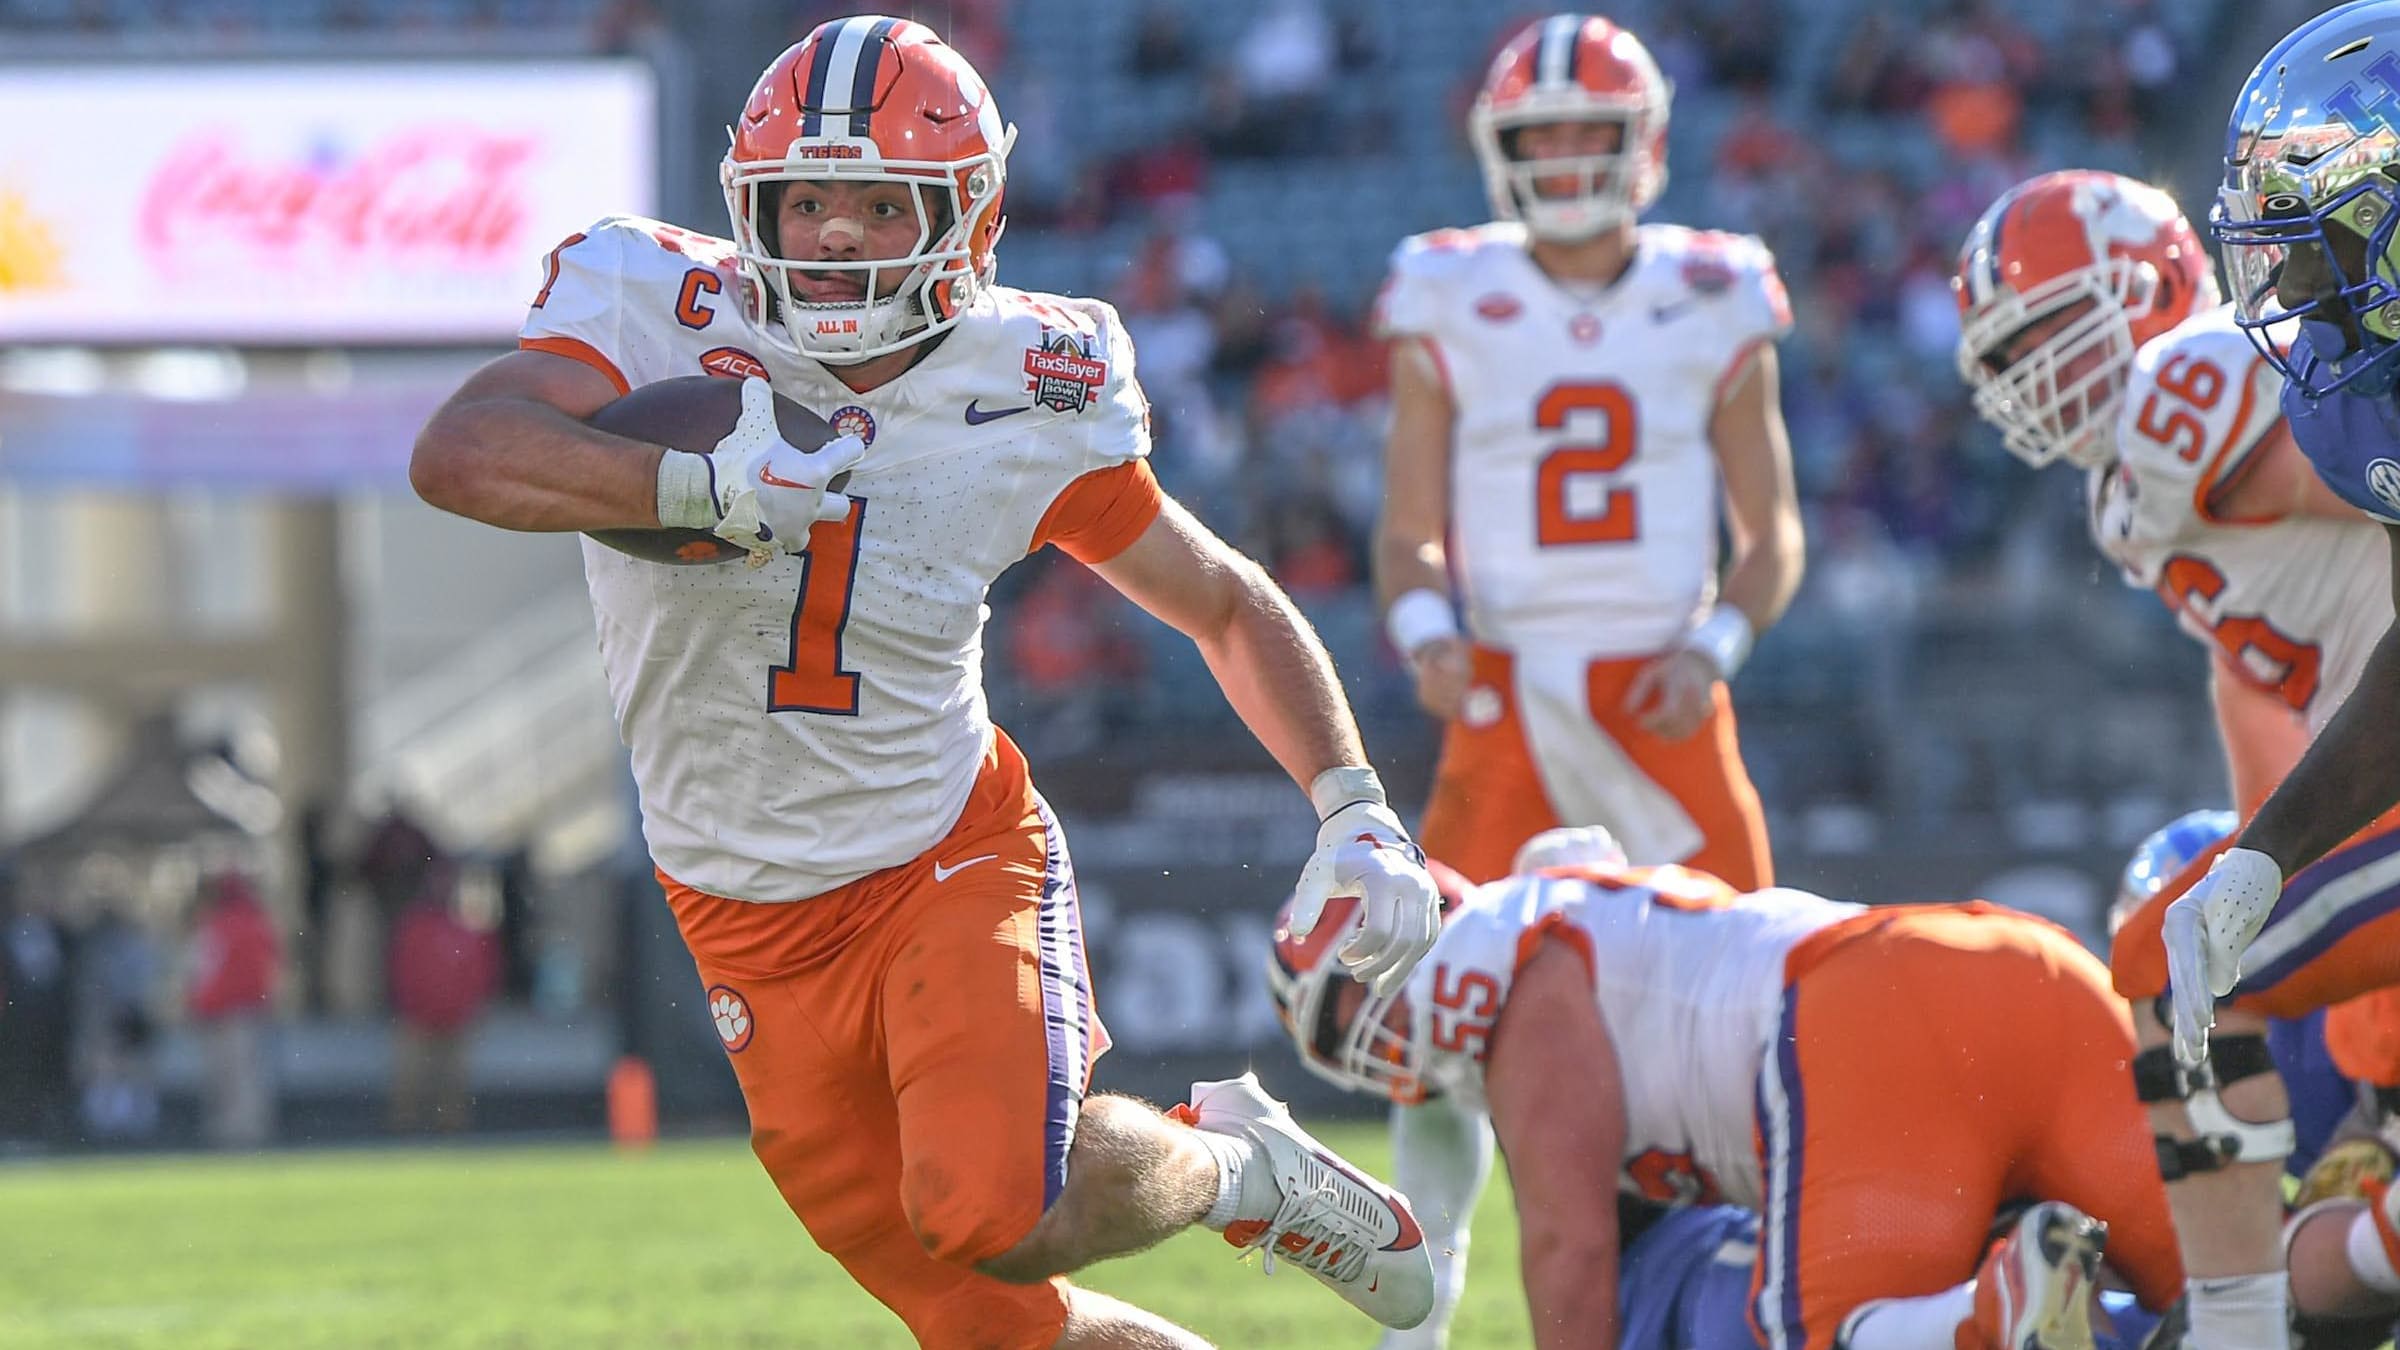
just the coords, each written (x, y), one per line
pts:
(978, 416)
(941, 873)
(1662, 313)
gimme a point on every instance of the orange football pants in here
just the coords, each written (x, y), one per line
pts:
(1488, 798)
(913, 1048)
(2333, 937)
(1934, 1063)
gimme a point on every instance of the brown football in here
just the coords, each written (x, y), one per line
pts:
(693, 413)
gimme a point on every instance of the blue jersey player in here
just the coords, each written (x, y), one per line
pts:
(2307, 219)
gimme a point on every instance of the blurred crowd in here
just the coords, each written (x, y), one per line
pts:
(1863, 173)
(96, 984)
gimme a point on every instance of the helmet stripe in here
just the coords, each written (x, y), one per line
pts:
(1991, 253)
(1554, 61)
(869, 65)
(812, 99)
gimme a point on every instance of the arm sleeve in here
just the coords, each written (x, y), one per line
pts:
(1441, 1158)
(1102, 513)
(578, 311)
(1408, 303)
(1762, 309)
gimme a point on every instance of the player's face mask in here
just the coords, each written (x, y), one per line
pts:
(880, 115)
(2307, 213)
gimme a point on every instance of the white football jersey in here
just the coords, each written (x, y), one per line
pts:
(1583, 488)
(2294, 605)
(798, 726)
(1690, 983)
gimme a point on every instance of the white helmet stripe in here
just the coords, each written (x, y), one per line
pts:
(841, 73)
(1555, 62)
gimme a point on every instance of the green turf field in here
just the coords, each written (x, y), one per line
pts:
(536, 1247)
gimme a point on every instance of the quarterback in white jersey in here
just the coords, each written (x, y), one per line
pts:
(1651, 1034)
(2091, 333)
(880, 905)
(1573, 394)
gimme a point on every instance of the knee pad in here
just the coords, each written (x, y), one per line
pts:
(2222, 1138)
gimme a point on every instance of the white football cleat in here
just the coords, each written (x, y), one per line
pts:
(2035, 1289)
(1354, 1234)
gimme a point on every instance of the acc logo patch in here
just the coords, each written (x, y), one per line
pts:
(1499, 307)
(2383, 479)
(731, 1012)
(852, 420)
(1063, 373)
(732, 363)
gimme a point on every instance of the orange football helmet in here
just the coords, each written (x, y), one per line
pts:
(870, 99)
(2059, 283)
(1573, 68)
(1377, 1049)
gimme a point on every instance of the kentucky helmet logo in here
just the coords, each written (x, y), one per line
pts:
(1063, 373)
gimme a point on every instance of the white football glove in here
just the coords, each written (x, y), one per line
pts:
(1363, 850)
(2207, 929)
(768, 494)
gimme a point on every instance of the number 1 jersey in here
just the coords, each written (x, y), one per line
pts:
(1583, 485)
(801, 725)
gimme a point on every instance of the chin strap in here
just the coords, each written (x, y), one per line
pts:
(2223, 1137)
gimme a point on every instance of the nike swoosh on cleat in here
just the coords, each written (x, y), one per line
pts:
(941, 873)
(978, 416)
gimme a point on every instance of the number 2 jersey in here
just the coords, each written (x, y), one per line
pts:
(1689, 976)
(2292, 605)
(1583, 486)
(798, 726)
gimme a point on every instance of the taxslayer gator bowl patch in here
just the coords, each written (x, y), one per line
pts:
(1063, 373)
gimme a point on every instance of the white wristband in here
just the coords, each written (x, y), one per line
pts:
(1343, 785)
(1724, 637)
(687, 492)
(1418, 617)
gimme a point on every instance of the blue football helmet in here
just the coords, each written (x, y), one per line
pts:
(2166, 852)
(2311, 199)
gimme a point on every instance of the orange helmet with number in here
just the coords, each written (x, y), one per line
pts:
(869, 99)
(1375, 1050)
(1573, 68)
(2059, 283)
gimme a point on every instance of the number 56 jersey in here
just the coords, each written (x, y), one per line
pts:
(1583, 487)
(801, 725)
(2291, 605)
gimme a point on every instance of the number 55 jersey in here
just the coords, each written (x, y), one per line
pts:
(801, 725)
(2290, 605)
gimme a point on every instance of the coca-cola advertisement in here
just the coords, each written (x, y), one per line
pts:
(277, 204)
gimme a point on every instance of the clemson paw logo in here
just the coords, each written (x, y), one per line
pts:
(731, 1012)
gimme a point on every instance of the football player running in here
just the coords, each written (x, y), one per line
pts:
(2091, 333)
(1572, 393)
(1649, 1032)
(881, 905)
